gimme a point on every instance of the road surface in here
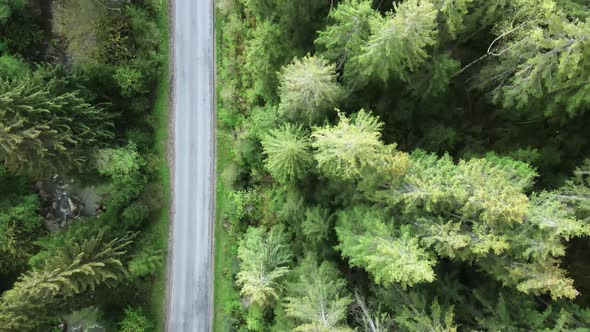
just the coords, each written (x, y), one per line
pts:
(190, 288)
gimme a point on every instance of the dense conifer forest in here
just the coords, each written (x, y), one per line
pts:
(83, 175)
(408, 165)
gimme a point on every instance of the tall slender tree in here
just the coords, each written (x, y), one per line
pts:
(318, 299)
(264, 257)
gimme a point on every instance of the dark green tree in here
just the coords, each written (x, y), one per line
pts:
(46, 131)
(79, 268)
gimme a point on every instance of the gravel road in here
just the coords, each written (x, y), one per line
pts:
(190, 287)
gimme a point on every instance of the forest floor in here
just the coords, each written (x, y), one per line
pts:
(160, 227)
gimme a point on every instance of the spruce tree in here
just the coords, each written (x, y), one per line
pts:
(390, 255)
(264, 257)
(399, 41)
(77, 269)
(474, 210)
(288, 151)
(20, 224)
(318, 300)
(539, 59)
(308, 89)
(342, 41)
(352, 148)
(46, 131)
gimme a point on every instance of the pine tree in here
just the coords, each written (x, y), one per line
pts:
(288, 151)
(264, 257)
(318, 299)
(46, 132)
(308, 88)
(77, 269)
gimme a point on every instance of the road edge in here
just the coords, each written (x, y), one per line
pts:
(214, 167)
(170, 155)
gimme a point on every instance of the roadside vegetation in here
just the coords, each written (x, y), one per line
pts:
(84, 175)
(412, 165)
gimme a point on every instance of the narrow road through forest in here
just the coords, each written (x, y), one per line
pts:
(190, 286)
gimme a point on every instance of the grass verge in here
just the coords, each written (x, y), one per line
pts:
(160, 227)
(225, 245)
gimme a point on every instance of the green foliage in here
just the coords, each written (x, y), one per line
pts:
(343, 40)
(20, 223)
(370, 241)
(454, 12)
(119, 163)
(149, 258)
(433, 79)
(78, 268)
(288, 152)
(245, 204)
(135, 321)
(371, 319)
(8, 7)
(113, 46)
(255, 318)
(515, 312)
(20, 33)
(308, 88)
(352, 148)
(416, 315)
(135, 214)
(318, 299)
(399, 41)
(542, 60)
(264, 256)
(124, 166)
(478, 232)
(130, 81)
(576, 192)
(265, 54)
(13, 67)
(317, 225)
(47, 131)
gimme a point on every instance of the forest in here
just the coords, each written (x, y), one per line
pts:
(83, 172)
(406, 165)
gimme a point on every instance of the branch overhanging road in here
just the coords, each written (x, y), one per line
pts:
(190, 287)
